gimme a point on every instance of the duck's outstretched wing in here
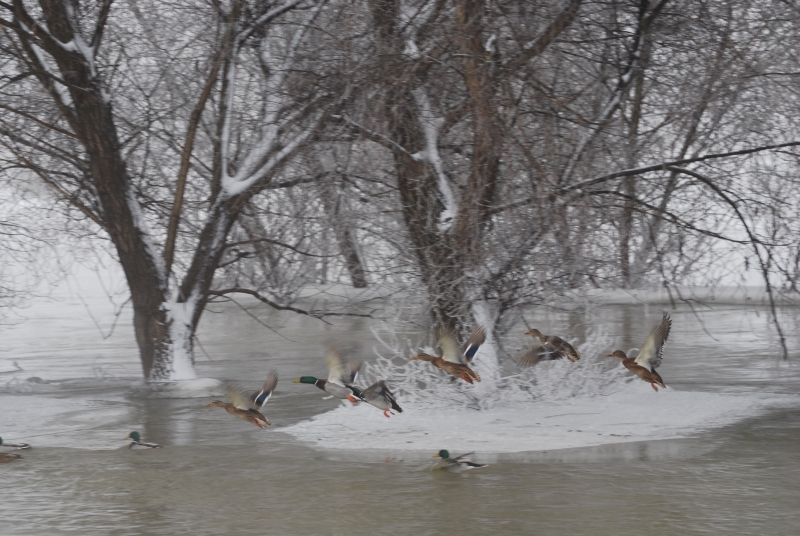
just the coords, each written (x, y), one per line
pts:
(340, 371)
(353, 366)
(539, 352)
(650, 354)
(563, 347)
(379, 391)
(449, 347)
(463, 458)
(470, 348)
(238, 396)
(261, 396)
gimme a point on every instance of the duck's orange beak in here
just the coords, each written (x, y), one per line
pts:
(436, 455)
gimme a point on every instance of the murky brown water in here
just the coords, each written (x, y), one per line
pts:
(219, 475)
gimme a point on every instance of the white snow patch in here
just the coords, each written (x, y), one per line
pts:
(635, 413)
(431, 126)
(144, 232)
(554, 405)
(180, 316)
(411, 50)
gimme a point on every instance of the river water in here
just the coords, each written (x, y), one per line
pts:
(716, 453)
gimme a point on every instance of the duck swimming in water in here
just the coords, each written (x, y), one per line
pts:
(4, 444)
(649, 358)
(138, 444)
(459, 464)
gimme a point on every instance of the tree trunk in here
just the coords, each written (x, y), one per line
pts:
(417, 182)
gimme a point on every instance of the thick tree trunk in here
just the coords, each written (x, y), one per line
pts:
(439, 267)
(90, 116)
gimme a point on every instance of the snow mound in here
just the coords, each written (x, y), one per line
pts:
(634, 413)
(554, 405)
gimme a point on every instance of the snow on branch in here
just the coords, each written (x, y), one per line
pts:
(269, 151)
(234, 187)
(431, 126)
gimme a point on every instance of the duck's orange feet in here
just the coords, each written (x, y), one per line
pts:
(385, 413)
(352, 399)
(257, 425)
(654, 387)
(466, 378)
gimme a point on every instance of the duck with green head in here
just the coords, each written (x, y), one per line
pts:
(6, 445)
(455, 465)
(138, 444)
(341, 376)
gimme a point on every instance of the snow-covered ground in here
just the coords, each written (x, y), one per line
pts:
(631, 411)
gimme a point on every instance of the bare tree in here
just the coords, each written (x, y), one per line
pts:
(93, 142)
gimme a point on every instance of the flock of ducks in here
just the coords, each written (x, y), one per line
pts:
(455, 360)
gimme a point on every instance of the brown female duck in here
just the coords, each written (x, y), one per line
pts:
(552, 347)
(649, 357)
(455, 360)
(246, 406)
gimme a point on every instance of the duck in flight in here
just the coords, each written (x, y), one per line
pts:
(341, 376)
(455, 360)
(380, 396)
(649, 358)
(245, 406)
(548, 348)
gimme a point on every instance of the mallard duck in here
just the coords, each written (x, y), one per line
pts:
(457, 464)
(341, 376)
(380, 396)
(13, 445)
(245, 406)
(6, 457)
(649, 357)
(138, 444)
(454, 359)
(539, 352)
(554, 347)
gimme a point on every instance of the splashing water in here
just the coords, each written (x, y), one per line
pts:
(420, 384)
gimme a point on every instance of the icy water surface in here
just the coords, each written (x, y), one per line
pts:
(728, 461)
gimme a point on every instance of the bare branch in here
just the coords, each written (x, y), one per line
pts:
(314, 314)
